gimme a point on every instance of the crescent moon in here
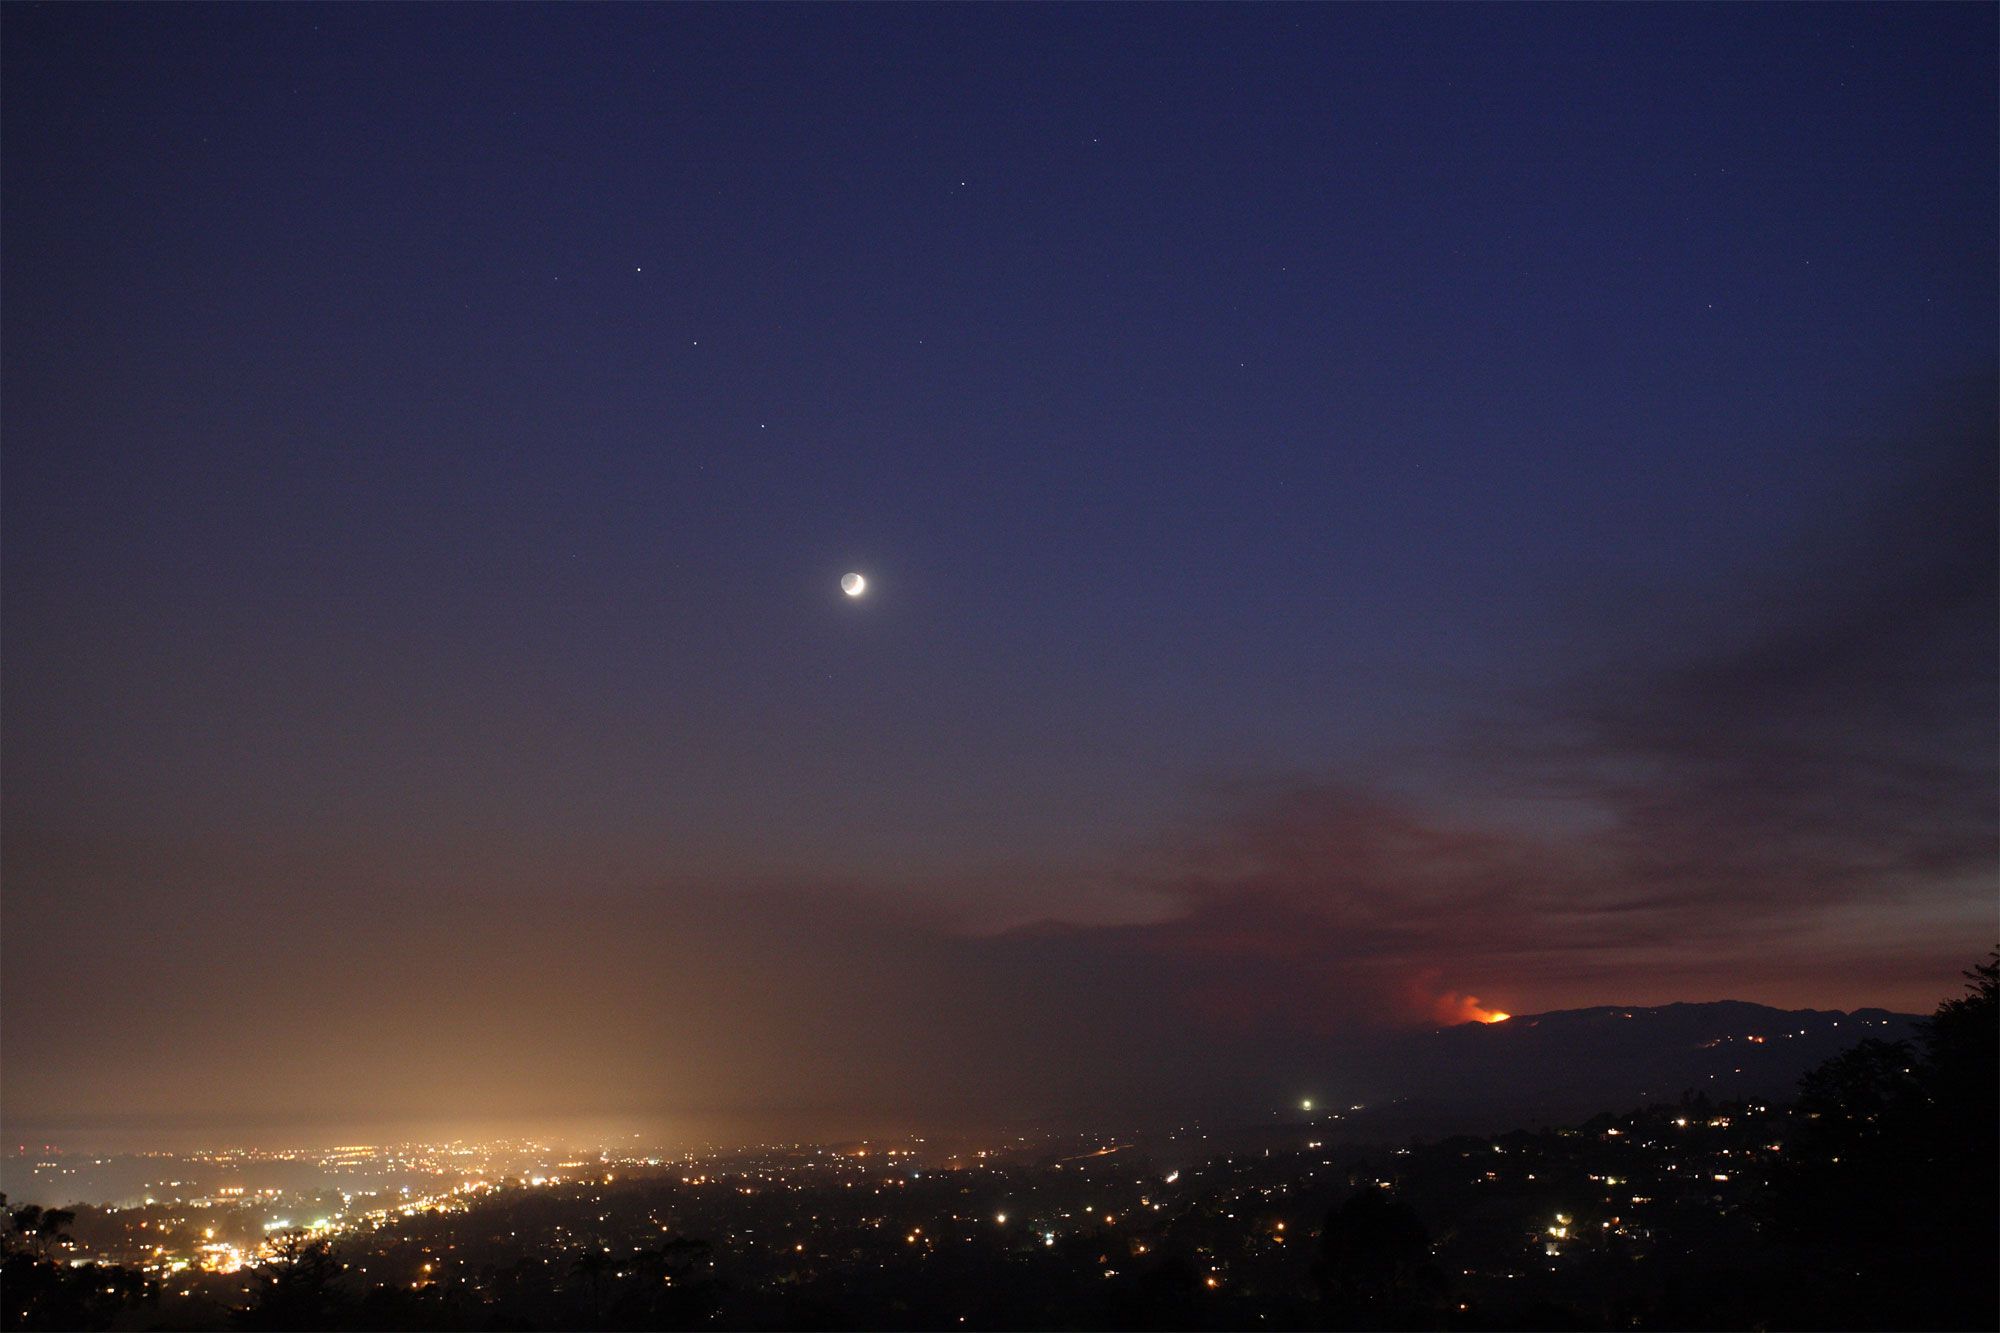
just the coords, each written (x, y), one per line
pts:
(853, 584)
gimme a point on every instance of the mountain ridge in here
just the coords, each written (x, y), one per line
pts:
(1746, 1006)
(1568, 1064)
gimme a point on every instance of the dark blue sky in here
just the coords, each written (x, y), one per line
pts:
(433, 437)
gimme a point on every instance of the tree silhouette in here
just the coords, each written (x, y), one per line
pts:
(1890, 1178)
(38, 1229)
(299, 1286)
(40, 1291)
(591, 1268)
(1374, 1268)
(49, 1232)
(1962, 1046)
(22, 1223)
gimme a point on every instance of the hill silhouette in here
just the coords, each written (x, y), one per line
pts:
(1568, 1063)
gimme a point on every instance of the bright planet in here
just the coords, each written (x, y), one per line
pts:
(853, 584)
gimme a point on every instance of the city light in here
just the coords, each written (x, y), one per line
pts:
(833, 1209)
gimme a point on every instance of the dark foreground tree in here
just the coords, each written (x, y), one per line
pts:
(298, 1287)
(1890, 1196)
(38, 1293)
(1374, 1268)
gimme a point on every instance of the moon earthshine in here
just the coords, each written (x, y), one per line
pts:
(853, 584)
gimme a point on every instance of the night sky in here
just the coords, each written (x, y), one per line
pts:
(1364, 508)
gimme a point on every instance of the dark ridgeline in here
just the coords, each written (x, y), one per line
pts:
(1867, 1202)
(1561, 1066)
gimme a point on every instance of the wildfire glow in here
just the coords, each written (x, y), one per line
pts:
(1455, 1008)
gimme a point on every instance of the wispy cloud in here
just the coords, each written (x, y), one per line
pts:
(1804, 776)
